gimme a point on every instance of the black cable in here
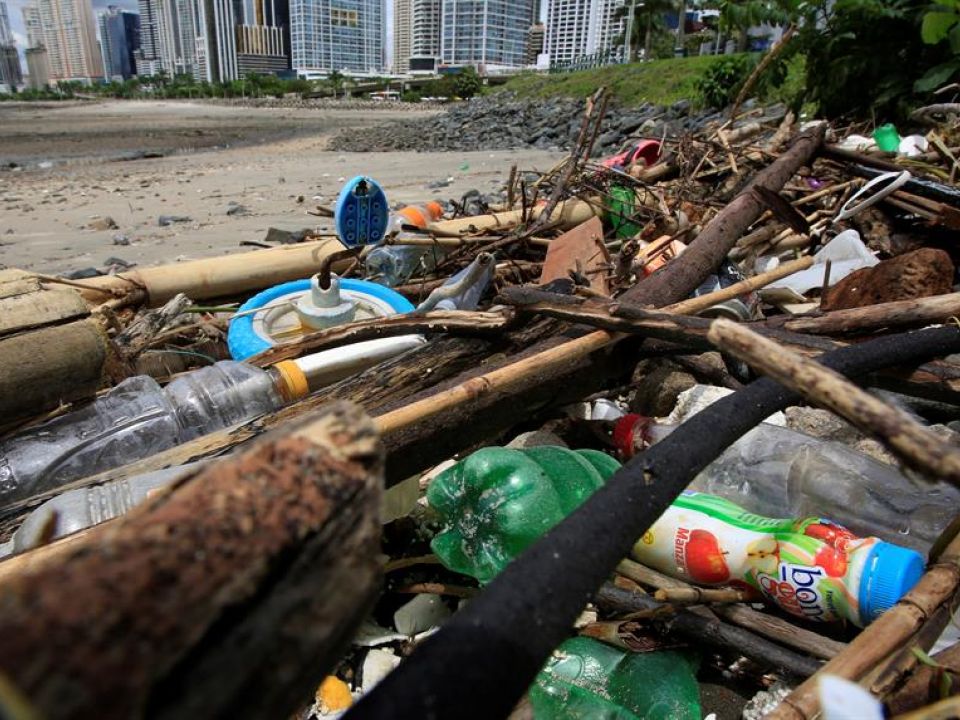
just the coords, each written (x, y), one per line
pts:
(483, 659)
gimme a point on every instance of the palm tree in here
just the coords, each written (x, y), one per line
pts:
(648, 20)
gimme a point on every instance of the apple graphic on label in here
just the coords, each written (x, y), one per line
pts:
(704, 560)
(763, 555)
(833, 561)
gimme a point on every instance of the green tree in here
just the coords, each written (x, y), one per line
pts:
(467, 83)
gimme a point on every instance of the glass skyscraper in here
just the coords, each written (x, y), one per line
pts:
(347, 36)
(485, 33)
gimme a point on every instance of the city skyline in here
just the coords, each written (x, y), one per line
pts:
(20, 35)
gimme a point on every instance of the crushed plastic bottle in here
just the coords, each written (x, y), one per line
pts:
(393, 265)
(498, 501)
(775, 471)
(587, 679)
(135, 419)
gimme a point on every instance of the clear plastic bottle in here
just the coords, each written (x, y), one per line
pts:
(135, 419)
(393, 265)
(778, 472)
(76, 510)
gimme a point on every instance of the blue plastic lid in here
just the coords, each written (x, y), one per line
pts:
(889, 573)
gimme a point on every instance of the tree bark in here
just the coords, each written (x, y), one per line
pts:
(230, 595)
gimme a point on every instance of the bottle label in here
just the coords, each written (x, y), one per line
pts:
(811, 567)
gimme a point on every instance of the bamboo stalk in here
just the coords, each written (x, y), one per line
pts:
(698, 304)
(914, 443)
(884, 636)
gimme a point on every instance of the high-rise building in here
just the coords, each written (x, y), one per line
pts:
(535, 39)
(425, 30)
(607, 25)
(148, 56)
(119, 42)
(69, 35)
(347, 36)
(38, 66)
(235, 39)
(6, 37)
(11, 74)
(485, 33)
(402, 27)
(31, 22)
(582, 27)
(176, 37)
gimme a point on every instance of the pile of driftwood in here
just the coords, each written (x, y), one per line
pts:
(238, 590)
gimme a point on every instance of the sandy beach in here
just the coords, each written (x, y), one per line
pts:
(65, 166)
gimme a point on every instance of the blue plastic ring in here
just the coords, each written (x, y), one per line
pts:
(244, 342)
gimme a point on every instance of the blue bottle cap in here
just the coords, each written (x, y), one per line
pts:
(889, 573)
(361, 213)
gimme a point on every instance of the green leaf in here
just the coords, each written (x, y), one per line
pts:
(946, 686)
(936, 76)
(923, 657)
(936, 25)
(955, 39)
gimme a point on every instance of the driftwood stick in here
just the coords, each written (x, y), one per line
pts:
(935, 380)
(915, 444)
(703, 256)
(884, 636)
(901, 313)
(230, 595)
(946, 709)
(703, 596)
(451, 321)
(712, 631)
(924, 686)
(770, 626)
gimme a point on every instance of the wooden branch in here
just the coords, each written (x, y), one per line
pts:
(901, 313)
(884, 636)
(711, 631)
(451, 322)
(923, 687)
(681, 277)
(769, 626)
(230, 595)
(915, 444)
(704, 596)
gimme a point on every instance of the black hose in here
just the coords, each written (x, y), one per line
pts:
(483, 659)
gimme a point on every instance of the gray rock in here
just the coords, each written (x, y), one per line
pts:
(165, 220)
(286, 237)
(121, 239)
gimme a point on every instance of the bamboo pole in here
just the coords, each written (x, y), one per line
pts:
(698, 304)
(915, 444)
(889, 633)
(215, 277)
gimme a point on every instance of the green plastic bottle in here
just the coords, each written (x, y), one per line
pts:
(498, 501)
(622, 206)
(586, 679)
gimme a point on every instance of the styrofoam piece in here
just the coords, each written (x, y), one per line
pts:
(376, 666)
(420, 614)
(846, 253)
(913, 145)
(841, 699)
(699, 397)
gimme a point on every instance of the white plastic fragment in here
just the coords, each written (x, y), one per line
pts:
(422, 613)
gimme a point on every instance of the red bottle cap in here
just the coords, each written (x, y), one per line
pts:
(623, 433)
